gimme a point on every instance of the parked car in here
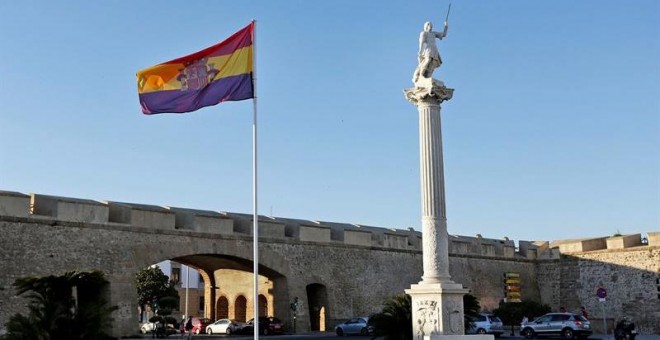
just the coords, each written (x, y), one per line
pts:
(159, 327)
(267, 325)
(223, 326)
(486, 324)
(566, 325)
(147, 327)
(358, 325)
(200, 324)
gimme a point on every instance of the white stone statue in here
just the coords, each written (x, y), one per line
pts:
(429, 56)
(426, 87)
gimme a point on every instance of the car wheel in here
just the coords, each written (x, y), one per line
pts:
(340, 332)
(481, 331)
(567, 333)
(529, 333)
(364, 331)
(228, 331)
(265, 332)
(209, 331)
(197, 331)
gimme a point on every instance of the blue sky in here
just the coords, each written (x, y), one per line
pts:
(553, 131)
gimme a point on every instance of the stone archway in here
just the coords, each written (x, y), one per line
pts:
(240, 308)
(317, 300)
(222, 308)
(263, 305)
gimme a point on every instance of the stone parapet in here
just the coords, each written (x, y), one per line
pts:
(624, 241)
(141, 215)
(14, 204)
(578, 246)
(56, 208)
(202, 221)
(357, 237)
(314, 233)
(481, 246)
(69, 209)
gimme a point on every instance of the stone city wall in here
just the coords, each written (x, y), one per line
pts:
(358, 265)
(626, 268)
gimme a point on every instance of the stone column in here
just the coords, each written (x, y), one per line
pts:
(209, 293)
(437, 302)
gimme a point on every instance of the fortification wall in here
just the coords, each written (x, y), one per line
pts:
(631, 277)
(359, 265)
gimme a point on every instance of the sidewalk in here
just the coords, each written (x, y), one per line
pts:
(638, 337)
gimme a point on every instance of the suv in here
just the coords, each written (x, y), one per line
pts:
(567, 325)
(486, 324)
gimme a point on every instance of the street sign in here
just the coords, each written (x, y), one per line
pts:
(601, 292)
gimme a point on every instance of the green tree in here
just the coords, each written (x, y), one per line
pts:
(153, 286)
(54, 312)
(394, 322)
(471, 309)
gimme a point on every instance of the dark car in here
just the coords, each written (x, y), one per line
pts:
(566, 325)
(267, 325)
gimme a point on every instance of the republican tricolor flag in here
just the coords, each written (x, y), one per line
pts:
(220, 73)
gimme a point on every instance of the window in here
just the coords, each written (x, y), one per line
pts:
(201, 303)
(176, 276)
(560, 317)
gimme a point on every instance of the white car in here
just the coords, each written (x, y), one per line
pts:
(223, 326)
(147, 327)
(486, 324)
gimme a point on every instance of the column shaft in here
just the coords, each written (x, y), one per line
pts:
(434, 219)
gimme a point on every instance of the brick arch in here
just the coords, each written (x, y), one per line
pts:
(240, 308)
(263, 305)
(222, 308)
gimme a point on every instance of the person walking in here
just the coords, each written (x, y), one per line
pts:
(585, 313)
(189, 327)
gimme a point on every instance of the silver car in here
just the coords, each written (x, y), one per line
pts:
(566, 325)
(357, 325)
(486, 324)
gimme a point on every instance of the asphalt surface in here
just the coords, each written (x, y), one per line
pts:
(332, 335)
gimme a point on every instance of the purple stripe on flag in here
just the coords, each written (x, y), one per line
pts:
(232, 88)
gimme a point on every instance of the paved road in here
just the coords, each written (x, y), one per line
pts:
(315, 336)
(331, 335)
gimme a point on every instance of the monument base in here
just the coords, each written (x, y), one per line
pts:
(437, 309)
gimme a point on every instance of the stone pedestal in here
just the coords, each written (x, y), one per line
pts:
(437, 309)
(437, 302)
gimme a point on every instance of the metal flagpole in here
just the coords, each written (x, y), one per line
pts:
(255, 217)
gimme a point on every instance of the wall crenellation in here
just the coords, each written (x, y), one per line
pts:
(205, 221)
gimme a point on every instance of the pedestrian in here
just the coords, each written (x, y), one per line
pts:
(585, 313)
(189, 327)
(182, 327)
(562, 309)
